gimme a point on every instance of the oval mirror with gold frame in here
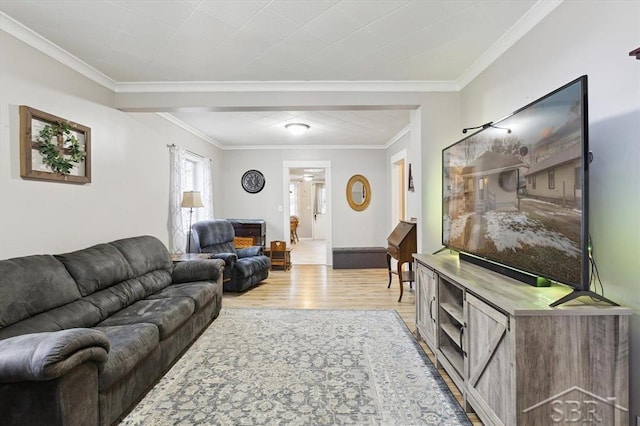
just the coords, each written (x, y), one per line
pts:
(358, 192)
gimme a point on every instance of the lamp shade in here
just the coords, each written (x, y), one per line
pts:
(191, 199)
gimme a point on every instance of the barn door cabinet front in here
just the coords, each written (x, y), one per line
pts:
(489, 362)
(426, 304)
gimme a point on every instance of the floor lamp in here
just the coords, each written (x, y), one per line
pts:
(190, 199)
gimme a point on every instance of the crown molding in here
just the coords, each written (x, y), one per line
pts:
(529, 20)
(538, 12)
(286, 86)
(38, 42)
(174, 120)
(47, 47)
(398, 136)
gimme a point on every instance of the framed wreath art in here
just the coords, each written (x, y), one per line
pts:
(53, 149)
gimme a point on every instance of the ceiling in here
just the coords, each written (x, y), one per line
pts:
(135, 42)
(309, 174)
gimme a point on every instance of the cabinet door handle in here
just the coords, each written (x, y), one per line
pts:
(431, 308)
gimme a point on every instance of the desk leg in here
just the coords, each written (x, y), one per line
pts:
(400, 280)
(389, 269)
(412, 275)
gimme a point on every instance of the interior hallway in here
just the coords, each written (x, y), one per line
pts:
(309, 252)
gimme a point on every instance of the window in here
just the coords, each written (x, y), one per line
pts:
(188, 172)
(193, 180)
(552, 179)
(578, 177)
(533, 182)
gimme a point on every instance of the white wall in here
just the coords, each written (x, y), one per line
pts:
(396, 151)
(129, 191)
(435, 118)
(437, 125)
(593, 38)
(350, 228)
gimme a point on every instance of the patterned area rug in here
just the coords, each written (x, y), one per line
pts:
(301, 367)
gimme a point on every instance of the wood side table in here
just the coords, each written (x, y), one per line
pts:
(287, 257)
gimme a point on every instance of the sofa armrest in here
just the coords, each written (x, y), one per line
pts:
(250, 251)
(46, 356)
(198, 270)
(229, 258)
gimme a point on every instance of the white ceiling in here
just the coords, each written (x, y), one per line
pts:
(328, 129)
(142, 41)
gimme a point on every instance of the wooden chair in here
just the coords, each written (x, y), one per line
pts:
(280, 255)
(293, 226)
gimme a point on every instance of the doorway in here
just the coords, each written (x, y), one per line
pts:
(308, 197)
(398, 188)
(398, 192)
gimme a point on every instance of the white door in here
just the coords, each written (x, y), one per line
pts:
(319, 224)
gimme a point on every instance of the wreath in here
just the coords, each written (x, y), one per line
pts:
(51, 155)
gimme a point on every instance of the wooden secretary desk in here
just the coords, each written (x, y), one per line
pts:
(401, 245)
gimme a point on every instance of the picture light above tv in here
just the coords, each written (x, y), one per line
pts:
(515, 193)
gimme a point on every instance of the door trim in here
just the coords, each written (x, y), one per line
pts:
(326, 165)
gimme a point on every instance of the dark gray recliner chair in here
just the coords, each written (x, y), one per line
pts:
(244, 267)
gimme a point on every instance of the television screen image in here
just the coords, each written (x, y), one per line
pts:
(514, 192)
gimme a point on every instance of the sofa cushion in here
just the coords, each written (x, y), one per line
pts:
(116, 297)
(129, 345)
(219, 248)
(214, 236)
(154, 281)
(200, 292)
(96, 267)
(77, 314)
(248, 266)
(31, 285)
(166, 314)
(144, 254)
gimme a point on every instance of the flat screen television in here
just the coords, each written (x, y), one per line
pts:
(515, 193)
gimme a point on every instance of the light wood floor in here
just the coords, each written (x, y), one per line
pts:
(309, 252)
(322, 287)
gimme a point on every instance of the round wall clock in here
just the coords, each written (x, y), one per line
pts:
(252, 181)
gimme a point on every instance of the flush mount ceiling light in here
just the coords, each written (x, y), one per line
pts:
(307, 178)
(297, 128)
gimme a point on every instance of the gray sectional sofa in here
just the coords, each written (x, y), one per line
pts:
(84, 335)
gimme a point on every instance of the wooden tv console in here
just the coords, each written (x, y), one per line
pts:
(516, 360)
